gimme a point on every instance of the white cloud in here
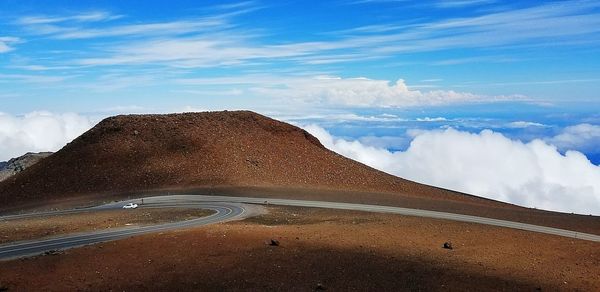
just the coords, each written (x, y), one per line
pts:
(428, 119)
(93, 16)
(161, 28)
(479, 59)
(487, 164)
(354, 92)
(6, 42)
(38, 131)
(364, 92)
(40, 67)
(217, 48)
(191, 109)
(28, 78)
(582, 137)
(524, 124)
(462, 3)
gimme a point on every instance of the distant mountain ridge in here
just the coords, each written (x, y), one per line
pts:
(18, 164)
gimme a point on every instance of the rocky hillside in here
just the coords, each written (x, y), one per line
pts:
(240, 148)
(16, 165)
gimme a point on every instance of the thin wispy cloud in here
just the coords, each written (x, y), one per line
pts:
(532, 82)
(237, 5)
(542, 24)
(171, 28)
(94, 16)
(476, 59)
(27, 78)
(462, 3)
(206, 51)
(216, 41)
(40, 67)
(6, 44)
(375, 1)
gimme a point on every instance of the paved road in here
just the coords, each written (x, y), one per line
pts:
(224, 211)
(229, 208)
(178, 199)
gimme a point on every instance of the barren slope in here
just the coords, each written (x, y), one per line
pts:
(143, 152)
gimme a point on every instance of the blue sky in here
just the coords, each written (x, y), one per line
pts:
(533, 61)
(74, 56)
(376, 72)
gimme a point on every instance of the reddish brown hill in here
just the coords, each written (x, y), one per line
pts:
(144, 152)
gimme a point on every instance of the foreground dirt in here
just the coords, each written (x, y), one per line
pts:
(319, 249)
(39, 227)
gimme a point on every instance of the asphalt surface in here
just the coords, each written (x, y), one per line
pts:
(229, 208)
(223, 212)
(178, 199)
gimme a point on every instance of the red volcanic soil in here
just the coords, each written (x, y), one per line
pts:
(326, 249)
(240, 148)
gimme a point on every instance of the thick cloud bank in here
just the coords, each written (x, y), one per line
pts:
(38, 131)
(487, 164)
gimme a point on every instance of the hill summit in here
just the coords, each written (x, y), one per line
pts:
(130, 153)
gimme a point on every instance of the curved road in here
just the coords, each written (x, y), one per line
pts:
(229, 208)
(223, 212)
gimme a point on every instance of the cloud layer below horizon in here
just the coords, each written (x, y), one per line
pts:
(486, 164)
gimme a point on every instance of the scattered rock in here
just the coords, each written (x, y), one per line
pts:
(252, 162)
(447, 245)
(320, 287)
(274, 242)
(136, 132)
(52, 252)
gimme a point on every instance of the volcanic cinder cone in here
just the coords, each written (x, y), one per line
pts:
(240, 148)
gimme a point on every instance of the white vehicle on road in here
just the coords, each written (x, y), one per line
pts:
(130, 206)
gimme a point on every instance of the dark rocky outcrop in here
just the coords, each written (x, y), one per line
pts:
(16, 165)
